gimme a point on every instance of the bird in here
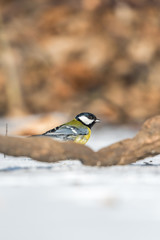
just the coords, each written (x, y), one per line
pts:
(78, 130)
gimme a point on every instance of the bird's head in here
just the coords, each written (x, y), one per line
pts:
(87, 119)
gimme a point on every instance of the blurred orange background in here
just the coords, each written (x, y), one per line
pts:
(100, 56)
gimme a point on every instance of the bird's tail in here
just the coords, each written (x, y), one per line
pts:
(38, 135)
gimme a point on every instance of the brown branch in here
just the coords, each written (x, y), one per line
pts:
(146, 143)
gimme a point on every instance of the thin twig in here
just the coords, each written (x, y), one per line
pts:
(6, 134)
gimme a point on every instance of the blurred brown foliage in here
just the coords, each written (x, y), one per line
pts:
(101, 56)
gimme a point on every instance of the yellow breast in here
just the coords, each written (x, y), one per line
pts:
(82, 139)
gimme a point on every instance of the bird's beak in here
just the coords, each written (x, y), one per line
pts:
(97, 120)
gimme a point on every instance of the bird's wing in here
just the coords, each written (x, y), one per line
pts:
(65, 132)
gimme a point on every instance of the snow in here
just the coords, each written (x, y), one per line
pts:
(66, 200)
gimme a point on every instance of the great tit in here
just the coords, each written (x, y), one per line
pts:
(77, 130)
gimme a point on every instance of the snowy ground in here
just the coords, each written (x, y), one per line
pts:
(66, 200)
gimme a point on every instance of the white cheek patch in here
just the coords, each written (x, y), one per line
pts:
(86, 120)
